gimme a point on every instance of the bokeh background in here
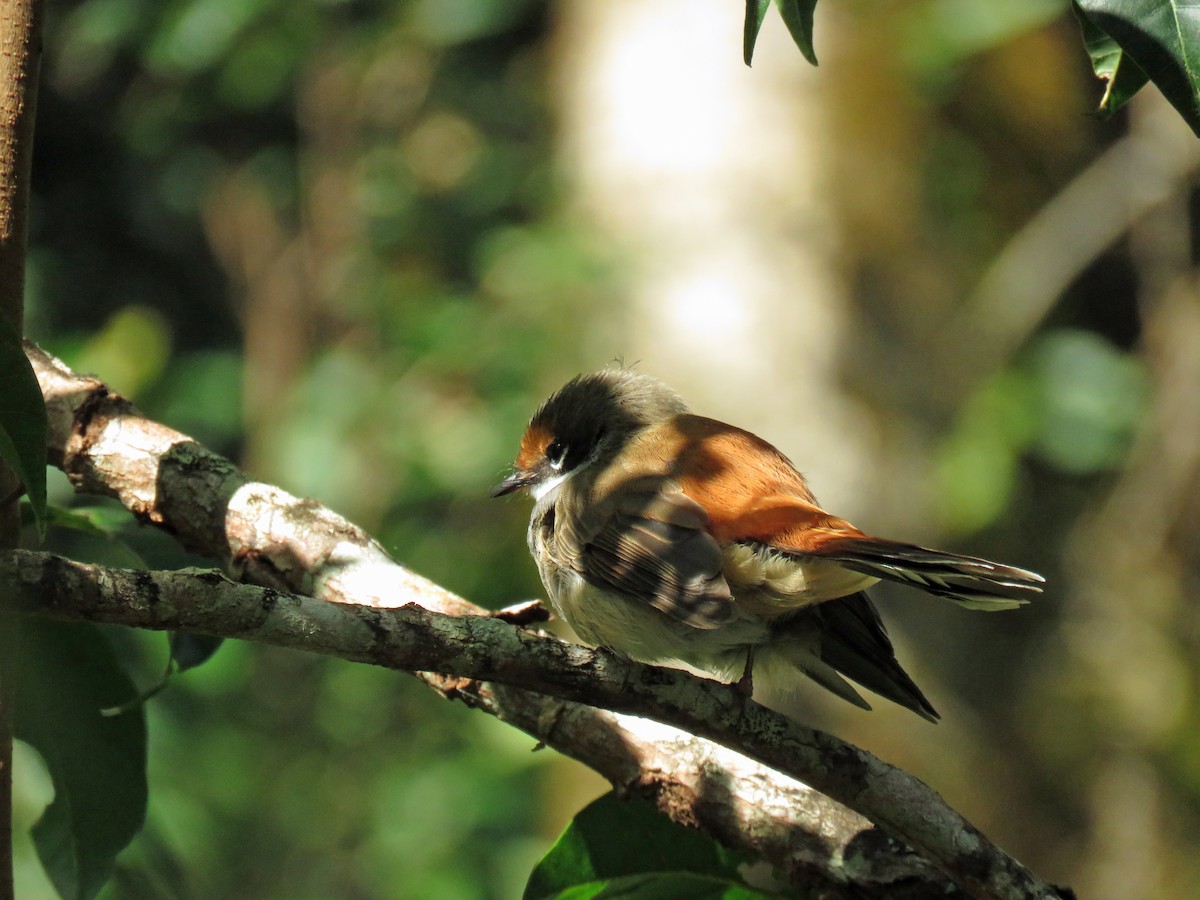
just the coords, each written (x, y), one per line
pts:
(352, 243)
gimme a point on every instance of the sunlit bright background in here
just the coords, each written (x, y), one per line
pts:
(352, 244)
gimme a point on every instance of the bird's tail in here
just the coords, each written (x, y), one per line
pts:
(971, 582)
(839, 639)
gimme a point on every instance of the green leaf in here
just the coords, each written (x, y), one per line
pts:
(756, 11)
(97, 522)
(191, 650)
(22, 421)
(611, 839)
(75, 520)
(1163, 38)
(664, 886)
(1122, 76)
(62, 676)
(798, 17)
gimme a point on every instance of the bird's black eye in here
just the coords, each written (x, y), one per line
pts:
(556, 452)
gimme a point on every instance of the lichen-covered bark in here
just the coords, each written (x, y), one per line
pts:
(258, 532)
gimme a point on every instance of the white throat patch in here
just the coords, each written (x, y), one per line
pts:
(548, 486)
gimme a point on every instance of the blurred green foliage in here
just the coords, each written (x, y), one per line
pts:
(939, 35)
(370, 183)
(1073, 401)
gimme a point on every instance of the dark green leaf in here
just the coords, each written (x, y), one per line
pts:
(663, 886)
(613, 838)
(191, 650)
(75, 520)
(798, 17)
(22, 421)
(1122, 76)
(62, 676)
(1163, 38)
(756, 11)
(100, 522)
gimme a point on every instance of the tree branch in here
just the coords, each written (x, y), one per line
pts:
(20, 55)
(264, 535)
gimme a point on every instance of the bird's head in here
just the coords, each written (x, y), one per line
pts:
(589, 418)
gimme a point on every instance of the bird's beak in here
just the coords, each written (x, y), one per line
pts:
(514, 482)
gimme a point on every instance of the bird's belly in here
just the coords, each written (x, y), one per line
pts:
(637, 630)
(767, 583)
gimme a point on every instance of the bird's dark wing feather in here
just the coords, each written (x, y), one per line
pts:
(793, 525)
(968, 580)
(651, 542)
(854, 641)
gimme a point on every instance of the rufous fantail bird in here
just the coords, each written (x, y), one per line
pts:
(673, 539)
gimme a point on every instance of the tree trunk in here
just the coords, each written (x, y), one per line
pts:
(20, 52)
